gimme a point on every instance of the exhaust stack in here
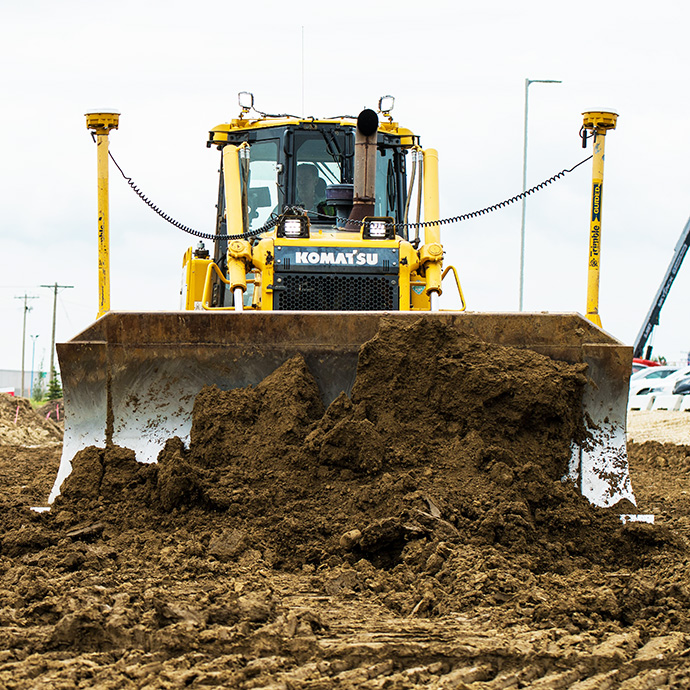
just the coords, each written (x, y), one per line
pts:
(364, 195)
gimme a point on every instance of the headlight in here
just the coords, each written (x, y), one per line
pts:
(246, 100)
(386, 104)
(292, 227)
(378, 228)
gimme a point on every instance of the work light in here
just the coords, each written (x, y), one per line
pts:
(386, 104)
(382, 228)
(292, 227)
(246, 100)
(377, 229)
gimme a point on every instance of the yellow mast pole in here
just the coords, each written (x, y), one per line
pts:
(431, 253)
(100, 123)
(597, 122)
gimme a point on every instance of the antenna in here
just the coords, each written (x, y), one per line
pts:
(303, 112)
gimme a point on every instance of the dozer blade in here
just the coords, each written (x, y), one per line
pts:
(131, 378)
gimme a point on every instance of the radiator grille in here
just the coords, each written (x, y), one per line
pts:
(319, 292)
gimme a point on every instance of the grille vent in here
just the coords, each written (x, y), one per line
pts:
(320, 292)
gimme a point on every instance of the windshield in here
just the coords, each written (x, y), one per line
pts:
(321, 159)
(263, 196)
(295, 167)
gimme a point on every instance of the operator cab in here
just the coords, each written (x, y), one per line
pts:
(310, 165)
(290, 166)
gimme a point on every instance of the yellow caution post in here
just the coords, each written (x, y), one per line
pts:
(431, 254)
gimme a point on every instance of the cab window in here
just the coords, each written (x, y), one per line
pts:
(386, 188)
(321, 158)
(263, 194)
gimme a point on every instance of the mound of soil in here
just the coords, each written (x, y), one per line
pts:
(444, 438)
(53, 410)
(20, 424)
(664, 471)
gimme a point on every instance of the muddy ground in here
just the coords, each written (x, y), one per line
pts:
(416, 534)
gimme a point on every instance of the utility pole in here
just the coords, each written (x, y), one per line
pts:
(27, 308)
(524, 183)
(54, 288)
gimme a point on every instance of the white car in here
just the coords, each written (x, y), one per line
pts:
(642, 381)
(665, 386)
(657, 393)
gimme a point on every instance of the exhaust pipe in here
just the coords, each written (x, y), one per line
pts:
(364, 196)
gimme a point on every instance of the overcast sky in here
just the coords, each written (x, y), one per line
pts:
(457, 71)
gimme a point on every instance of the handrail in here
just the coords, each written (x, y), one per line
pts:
(457, 282)
(206, 299)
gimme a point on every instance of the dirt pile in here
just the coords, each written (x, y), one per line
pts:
(53, 410)
(444, 440)
(20, 424)
(664, 471)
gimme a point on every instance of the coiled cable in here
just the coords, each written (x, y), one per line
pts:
(275, 219)
(483, 211)
(185, 228)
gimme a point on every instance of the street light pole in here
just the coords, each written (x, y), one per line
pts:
(524, 181)
(33, 353)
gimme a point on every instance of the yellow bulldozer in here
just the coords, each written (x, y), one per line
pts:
(324, 228)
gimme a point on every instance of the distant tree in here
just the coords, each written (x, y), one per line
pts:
(39, 390)
(54, 387)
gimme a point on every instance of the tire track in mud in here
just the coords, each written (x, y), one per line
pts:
(360, 645)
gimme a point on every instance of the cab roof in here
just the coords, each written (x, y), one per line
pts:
(219, 135)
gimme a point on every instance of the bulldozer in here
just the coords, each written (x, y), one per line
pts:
(324, 227)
